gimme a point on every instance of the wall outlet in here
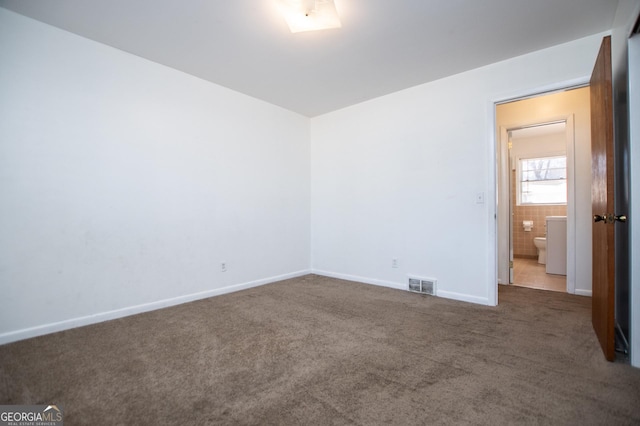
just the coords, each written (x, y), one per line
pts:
(394, 263)
(223, 266)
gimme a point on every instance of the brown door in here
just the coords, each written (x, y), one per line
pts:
(603, 307)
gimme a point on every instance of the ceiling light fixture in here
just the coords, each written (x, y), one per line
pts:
(310, 15)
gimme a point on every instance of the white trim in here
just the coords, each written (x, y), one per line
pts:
(503, 211)
(464, 297)
(580, 292)
(572, 249)
(633, 47)
(402, 286)
(27, 333)
(492, 214)
(355, 278)
(504, 176)
(494, 179)
(548, 89)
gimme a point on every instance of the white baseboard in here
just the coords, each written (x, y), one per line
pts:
(580, 292)
(401, 286)
(27, 333)
(381, 283)
(464, 297)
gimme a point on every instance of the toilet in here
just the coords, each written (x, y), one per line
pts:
(541, 245)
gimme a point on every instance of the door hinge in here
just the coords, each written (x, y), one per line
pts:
(511, 264)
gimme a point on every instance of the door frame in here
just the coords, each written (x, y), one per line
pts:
(504, 193)
(634, 208)
(492, 293)
(504, 196)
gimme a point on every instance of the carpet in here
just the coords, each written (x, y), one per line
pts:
(317, 350)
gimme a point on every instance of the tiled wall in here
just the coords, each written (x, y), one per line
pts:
(523, 241)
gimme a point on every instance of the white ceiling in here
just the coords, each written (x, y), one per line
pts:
(383, 45)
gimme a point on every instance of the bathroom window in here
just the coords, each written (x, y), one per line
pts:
(542, 180)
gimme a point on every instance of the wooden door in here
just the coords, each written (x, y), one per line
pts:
(603, 300)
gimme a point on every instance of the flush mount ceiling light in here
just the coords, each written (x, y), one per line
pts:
(310, 15)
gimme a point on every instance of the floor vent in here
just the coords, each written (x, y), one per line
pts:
(422, 285)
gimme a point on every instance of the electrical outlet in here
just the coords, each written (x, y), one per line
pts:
(223, 266)
(394, 263)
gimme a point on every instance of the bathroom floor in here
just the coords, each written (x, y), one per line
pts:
(529, 273)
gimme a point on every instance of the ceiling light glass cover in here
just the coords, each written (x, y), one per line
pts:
(310, 15)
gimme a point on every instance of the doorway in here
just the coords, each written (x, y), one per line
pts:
(568, 108)
(538, 182)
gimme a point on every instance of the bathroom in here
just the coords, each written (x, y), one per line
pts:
(538, 191)
(570, 107)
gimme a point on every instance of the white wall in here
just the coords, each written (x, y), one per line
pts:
(576, 105)
(398, 176)
(125, 183)
(529, 147)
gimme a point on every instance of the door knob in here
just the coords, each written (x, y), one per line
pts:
(609, 218)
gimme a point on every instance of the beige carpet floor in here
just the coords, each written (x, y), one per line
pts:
(317, 350)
